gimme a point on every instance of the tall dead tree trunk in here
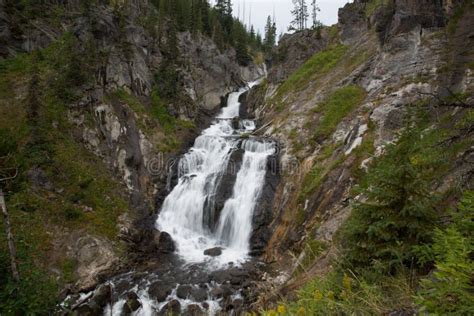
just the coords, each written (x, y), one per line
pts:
(8, 231)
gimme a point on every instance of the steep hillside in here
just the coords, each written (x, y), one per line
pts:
(92, 111)
(392, 81)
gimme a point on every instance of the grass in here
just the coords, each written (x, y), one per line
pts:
(130, 100)
(343, 293)
(321, 167)
(319, 64)
(340, 103)
(313, 249)
(159, 112)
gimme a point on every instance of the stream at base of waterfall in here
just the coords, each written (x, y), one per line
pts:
(211, 265)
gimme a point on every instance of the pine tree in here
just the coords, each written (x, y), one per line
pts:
(241, 47)
(397, 210)
(448, 290)
(270, 35)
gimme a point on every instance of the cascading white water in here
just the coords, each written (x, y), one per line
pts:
(199, 171)
(235, 224)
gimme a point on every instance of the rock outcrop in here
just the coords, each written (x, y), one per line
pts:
(293, 50)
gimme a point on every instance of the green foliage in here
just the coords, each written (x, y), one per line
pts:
(270, 36)
(319, 64)
(397, 211)
(158, 111)
(241, 44)
(344, 293)
(71, 64)
(217, 22)
(449, 290)
(312, 249)
(166, 80)
(35, 294)
(130, 100)
(340, 103)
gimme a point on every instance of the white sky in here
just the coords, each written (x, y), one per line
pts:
(262, 8)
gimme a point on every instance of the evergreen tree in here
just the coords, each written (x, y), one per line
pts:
(270, 35)
(397, 209)
(241, 48)
(258, 38)
(448, 291)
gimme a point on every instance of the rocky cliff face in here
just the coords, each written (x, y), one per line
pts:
(392, 57)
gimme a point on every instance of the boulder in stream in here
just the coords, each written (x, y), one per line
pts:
(132, 303)
(173, 307)
(194, 310)
(166, 243)
(199, 294)
(213, 252)
(159, 291)
(183, 291)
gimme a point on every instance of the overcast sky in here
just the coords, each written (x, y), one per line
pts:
(262, 8)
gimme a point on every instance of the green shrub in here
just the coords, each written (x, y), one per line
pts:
(449, 291)
(166, 80)
(35, 294)
(159, 111)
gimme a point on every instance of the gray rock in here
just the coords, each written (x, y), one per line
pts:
(166, 243)
(199, 294)
(93, 255)
(102, 295)
(293, 50)
(132, 304)
(213, 252)
(160, 291)
(223, 291)
(183, 291)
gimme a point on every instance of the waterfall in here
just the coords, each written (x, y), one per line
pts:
(207, 208)
(200, 172)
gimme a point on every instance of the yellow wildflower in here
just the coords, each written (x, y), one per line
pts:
(281, 309)
(301, 311)
(330, 295)
(346, 283)
(318, 295)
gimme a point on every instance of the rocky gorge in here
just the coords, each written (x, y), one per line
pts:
(132, 197)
